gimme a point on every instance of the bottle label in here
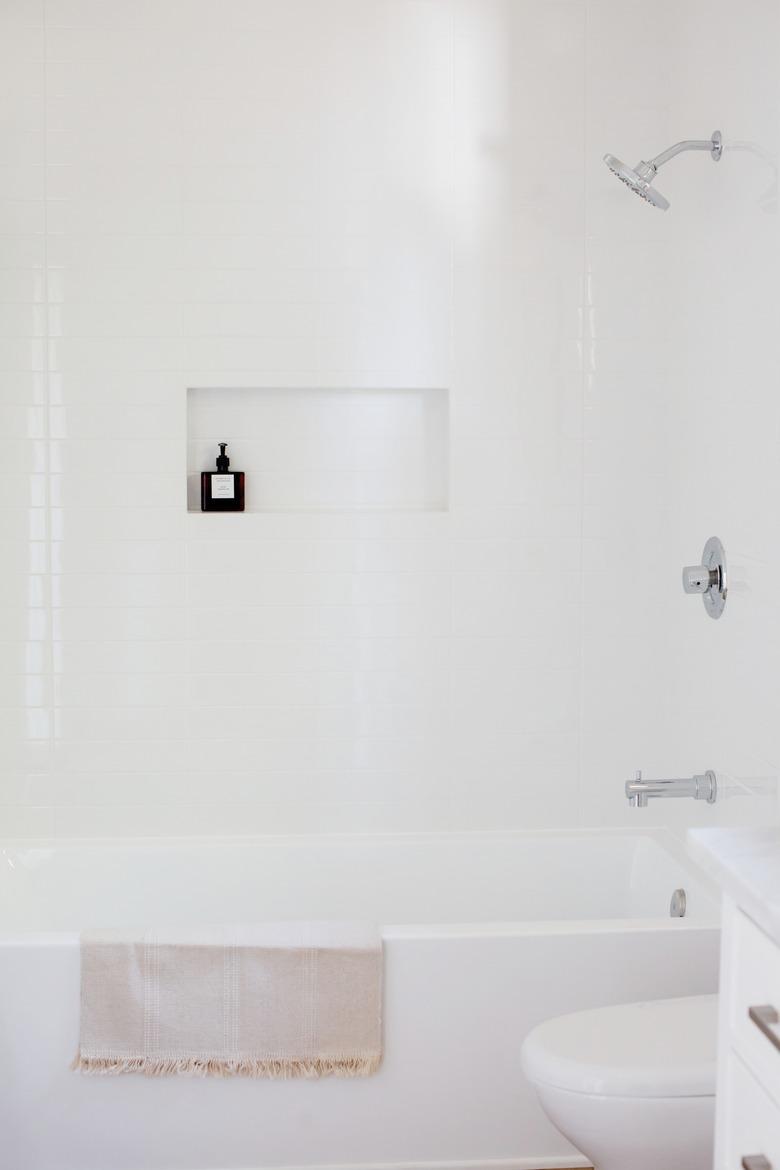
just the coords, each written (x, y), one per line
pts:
(223, 487)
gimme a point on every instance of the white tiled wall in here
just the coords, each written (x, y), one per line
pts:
(682, 407)
(386, 194)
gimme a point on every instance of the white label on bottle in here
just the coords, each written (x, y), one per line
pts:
(222, 487)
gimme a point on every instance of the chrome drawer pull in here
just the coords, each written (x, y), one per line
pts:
(756, 1162)
(766, 1018)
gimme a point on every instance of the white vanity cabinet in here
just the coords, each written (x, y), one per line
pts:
(745, 863)
(747, 1135)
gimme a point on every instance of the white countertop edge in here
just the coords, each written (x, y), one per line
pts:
(745, 862)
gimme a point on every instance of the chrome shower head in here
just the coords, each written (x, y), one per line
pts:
(640, 179)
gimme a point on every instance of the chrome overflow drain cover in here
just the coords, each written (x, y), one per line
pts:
(678, 904)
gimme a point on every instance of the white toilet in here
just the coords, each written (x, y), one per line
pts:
(633, 1086)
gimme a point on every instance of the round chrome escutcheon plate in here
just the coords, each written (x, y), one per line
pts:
(714, 557)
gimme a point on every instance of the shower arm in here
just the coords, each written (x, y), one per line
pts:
(714, 145)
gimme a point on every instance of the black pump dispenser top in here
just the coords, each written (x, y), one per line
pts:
(222, 460)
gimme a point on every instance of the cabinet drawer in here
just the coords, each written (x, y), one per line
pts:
(753, 1123)
(754, 1010)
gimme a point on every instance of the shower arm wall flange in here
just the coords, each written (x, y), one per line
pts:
(714, 145)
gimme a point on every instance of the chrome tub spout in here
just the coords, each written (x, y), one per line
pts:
(703, 787)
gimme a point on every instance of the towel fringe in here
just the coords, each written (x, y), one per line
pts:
(347, 1066)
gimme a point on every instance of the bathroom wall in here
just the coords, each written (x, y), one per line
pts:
(383, 195)
(681, 408)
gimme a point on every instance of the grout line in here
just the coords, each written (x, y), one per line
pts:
(48, 507)
(584, 359)
(448, 492)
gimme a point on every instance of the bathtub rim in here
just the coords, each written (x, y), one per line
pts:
(669, 840)
(391, 931)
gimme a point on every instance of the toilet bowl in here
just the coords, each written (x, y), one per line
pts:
(632, 1086)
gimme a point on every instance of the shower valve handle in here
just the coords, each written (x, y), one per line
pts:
(710, 578)
(699, 578)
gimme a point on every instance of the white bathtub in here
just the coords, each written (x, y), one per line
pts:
(485, 935)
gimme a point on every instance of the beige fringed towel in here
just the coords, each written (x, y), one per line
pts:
(281, 1000)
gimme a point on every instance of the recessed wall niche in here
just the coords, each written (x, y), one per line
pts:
(319, 449)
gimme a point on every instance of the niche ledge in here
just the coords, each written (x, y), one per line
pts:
(324, 450)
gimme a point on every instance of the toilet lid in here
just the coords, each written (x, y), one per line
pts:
(662, 1048)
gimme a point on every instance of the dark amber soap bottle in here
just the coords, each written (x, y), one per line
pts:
(222, 490)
